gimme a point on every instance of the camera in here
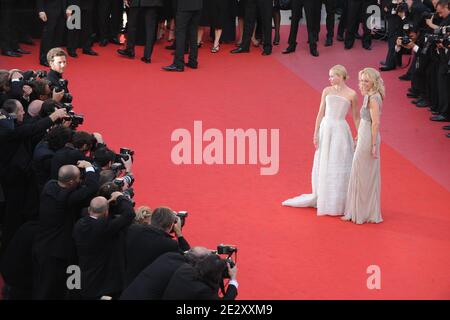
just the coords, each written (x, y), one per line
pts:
(128, 178)
(129, 194)
(406, 39)
(125, 154)
(62, 86)
(76, 119)
(398, 6)
(182, 215)
(226, 249)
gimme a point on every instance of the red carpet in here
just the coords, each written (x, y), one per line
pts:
(284, 253)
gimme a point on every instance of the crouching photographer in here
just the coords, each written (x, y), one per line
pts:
(145, 243)
(203, 280)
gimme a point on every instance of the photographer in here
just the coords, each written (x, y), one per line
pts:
(57, 59)
(430, 82)
(151, 283)
(82, 143)
(397, 21)
(16, 176)
(202, 281)
(97, 238)
(60, 207)
(145, 243)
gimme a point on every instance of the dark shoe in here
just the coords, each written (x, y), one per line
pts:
(171, 47)
(44, 63)
(446, 127)
(173, 67)
(405, 77)
(27, 40)
(386, 68)
(90, 52)
(266, 52)
(126, 53)
(340, 38)
(448, 135)
(239, 50)
(146, 60)
(103, 43)
(10, 53)
(329, 42)
(191, 65)
(314, 52)
(417, 101)
(288, 50)
(115, 41)
(21, 51)
(422, 104)
(348, 47)
(367, 47)
(72, 53)
(439, 118)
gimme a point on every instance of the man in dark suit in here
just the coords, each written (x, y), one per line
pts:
(52, 14)
(97, 238)
(313, 12)
(151, 283)
(109, 21)
(357, 13)
(187, 20)
(9, 36)
(145, 243)
(76, 38)
(16, 175)
(202, 281)
(60, 207)
(150, 10)
(253, 8)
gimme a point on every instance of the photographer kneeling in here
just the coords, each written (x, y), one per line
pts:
(145, 243)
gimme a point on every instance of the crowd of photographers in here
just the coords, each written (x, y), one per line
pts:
(66, 204)
(421, 29)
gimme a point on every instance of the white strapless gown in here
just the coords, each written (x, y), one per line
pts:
(332, 162)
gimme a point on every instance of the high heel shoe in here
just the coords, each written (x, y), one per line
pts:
(215, 49)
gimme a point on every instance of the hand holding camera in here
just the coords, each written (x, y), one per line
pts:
(83, 164)
(58, 114)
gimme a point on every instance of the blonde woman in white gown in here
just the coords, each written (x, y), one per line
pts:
(334, 148)
(363, 197)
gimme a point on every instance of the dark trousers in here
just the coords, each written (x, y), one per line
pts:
(357, 14)
(343, 19)
(104, 13)
(392, 56)
(312, 12)
(77, 38)
(330, 7)
(264, 8)
(443, 89)
(186, 25)
(151, 20)
(8, 29)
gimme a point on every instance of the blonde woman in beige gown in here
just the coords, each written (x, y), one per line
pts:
(363, 196)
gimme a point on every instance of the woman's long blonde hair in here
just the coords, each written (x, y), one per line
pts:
(375, 77)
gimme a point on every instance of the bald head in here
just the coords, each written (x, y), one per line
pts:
(197, 253)
(98, 206)
(35, 107)
(68, 173)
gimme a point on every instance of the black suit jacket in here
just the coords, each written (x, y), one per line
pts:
(100, 253)
(146, 3)
(185, 285)
(58, 212)
(146, 243)
(151, 283)
(51, 5)
(189, 5)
